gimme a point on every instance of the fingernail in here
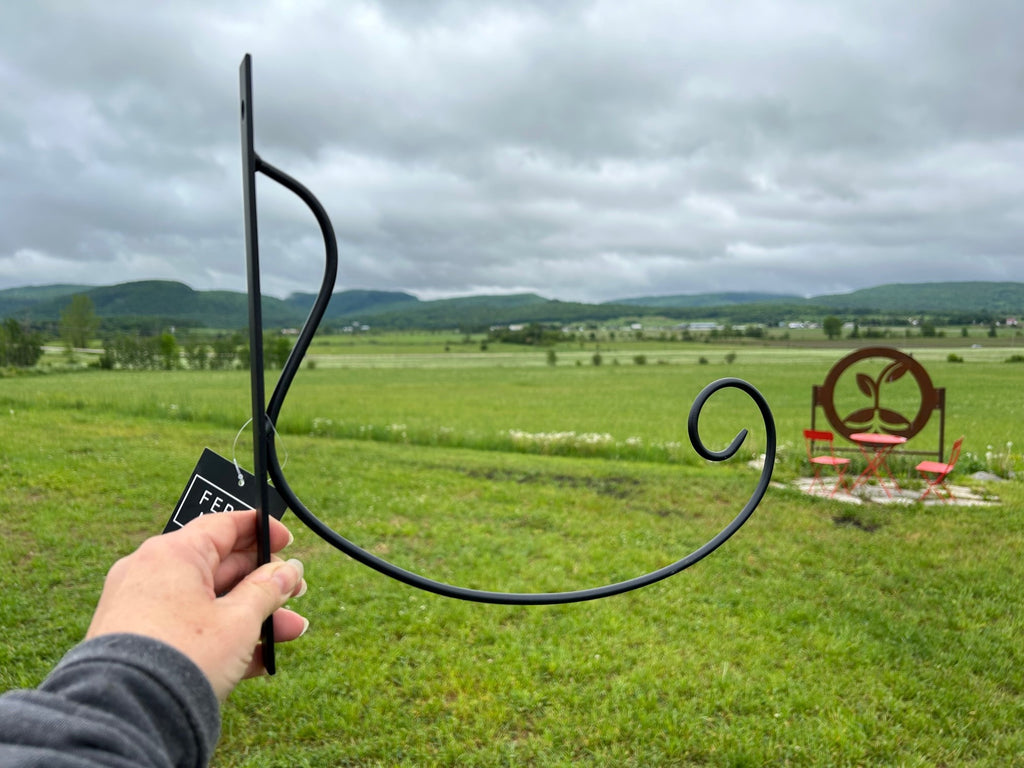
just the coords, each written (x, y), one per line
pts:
(302, 589)
(305, 626)
(284, 580)
(291, 538)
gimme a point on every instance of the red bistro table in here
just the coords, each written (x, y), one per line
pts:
(876, 448)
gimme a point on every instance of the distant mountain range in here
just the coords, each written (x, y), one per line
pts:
(707, 299)
(176, 303)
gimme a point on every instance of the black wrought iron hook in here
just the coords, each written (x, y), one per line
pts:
(267, 464)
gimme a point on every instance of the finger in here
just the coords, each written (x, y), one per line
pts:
(288, 625)
(236, 567)
(217, 536)
(255, 667)
(233, 569)
(280, 536)
(266, 589)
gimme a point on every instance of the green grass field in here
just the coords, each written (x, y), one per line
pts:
(819, 635)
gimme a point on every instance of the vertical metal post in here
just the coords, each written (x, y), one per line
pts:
(250, 164)
(815, 390)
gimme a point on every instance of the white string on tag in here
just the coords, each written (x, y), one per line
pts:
(234, 446)
(234, 460)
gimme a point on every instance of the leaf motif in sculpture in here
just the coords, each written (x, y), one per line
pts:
(892, 420)
(895, 371)
(866, 384)
(861, 419)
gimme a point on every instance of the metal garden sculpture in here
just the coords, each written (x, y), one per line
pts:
(862, 384)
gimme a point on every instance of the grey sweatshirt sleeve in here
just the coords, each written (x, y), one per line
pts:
(117, 700)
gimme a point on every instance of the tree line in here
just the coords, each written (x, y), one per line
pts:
(22, 347)
(164, 352)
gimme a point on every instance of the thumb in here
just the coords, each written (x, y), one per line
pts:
(269, 587)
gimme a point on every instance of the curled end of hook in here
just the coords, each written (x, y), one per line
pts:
(726, 453)
(698, 404)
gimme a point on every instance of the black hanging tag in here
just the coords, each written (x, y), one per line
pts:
(220, 485)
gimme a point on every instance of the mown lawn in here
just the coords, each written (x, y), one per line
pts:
(819, 635)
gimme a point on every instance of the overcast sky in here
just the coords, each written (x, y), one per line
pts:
(582, 150)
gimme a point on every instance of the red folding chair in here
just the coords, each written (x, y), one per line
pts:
(935, 473)
(839, 464)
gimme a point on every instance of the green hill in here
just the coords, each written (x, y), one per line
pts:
(993, 297)
(469, 312)
(348, 304)
(19, 302)
(1000, 298)
(705, 299)
(165, 302)
(172, 301)
(41, 292)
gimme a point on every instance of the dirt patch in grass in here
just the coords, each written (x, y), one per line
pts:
(616, 486)
(855, 521)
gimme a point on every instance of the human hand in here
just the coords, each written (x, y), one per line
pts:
(168, 590)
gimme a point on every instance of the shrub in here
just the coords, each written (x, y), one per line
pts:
(1015, 359)
(19, 347)
(952, 357)
(640, 359)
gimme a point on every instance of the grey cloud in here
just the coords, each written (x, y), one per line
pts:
(585, 150)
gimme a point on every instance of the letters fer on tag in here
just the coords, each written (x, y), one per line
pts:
(214, 488)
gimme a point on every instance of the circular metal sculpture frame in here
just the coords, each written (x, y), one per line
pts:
(887, 419)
